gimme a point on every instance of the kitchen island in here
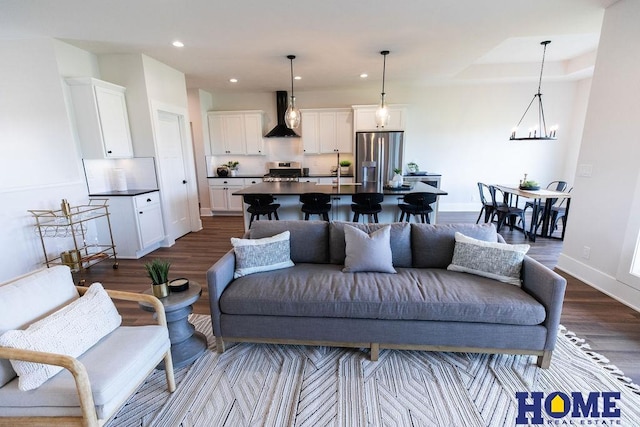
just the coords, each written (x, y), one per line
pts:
(287, 194)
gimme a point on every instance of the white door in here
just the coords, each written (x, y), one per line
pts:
(170, 143)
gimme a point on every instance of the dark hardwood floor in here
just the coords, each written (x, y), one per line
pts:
(611, 328)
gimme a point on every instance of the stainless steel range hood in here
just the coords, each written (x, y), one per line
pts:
(281, 130)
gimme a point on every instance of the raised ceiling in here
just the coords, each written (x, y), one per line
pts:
(431, 42)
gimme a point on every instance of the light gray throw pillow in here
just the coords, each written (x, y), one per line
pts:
(368, 252)
(498, 261)
(266, 254)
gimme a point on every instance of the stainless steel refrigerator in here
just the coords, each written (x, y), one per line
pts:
(377, 155)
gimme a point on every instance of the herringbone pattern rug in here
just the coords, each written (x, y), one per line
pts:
(270, 385)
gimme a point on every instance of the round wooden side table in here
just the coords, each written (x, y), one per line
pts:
(187, 344)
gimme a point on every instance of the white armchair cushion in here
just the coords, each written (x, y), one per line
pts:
(71, 330)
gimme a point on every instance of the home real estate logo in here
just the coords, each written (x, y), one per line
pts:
(558, 408)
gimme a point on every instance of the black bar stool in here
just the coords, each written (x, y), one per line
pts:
(261, 204)
(315, 204)
(366, 204)
(417, 204)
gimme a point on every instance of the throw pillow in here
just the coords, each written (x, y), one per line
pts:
(72, 330)
(266, 254)
(499, 261)
(368, 252)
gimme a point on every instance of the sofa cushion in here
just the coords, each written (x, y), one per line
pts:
(432, 245)
(367, 251)
(499, 261)
(309, 239)
(314, 290)
(28, 298)
(116, 366)
(265, 254)
(400, 241)
(71, 330)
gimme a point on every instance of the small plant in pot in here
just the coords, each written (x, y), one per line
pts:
(233, 167)
(397, 180)
(158, 272)
(345, 166)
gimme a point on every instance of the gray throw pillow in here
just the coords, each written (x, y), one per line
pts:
(256, 255)
(498, 261)
(368, 252)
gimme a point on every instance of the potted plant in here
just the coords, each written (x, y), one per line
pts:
(397, 177)
(345, 166)
(413, 167)
(233, 167)
(158, 271)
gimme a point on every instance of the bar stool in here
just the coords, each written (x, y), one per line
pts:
(261, 204)
(417, 204)
(366, 204)
(315, 204)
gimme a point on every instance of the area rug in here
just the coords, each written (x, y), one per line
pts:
(280, 385)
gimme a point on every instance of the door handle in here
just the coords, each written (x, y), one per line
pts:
(184, 181)
(148, 200)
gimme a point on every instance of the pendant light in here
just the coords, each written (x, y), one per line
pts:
(292, 115)
(542, 124)
(382, 113)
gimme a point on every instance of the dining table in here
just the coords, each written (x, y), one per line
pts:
(537, 196)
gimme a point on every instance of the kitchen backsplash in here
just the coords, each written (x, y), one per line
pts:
(120, 174)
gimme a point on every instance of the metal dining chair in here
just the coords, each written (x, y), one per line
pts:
(505, 212)
(553, 185)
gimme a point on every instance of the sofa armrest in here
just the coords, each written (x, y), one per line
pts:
(136, 297)
(548, 288)
(72, 364)
(219, 276)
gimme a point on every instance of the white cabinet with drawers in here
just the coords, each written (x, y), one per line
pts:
(221, 194)
(137, 224)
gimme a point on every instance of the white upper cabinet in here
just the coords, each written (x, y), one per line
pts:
(365, 118)
(235, 132)
(101, 118)
(327, 131)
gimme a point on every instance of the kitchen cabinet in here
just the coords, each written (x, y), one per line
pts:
(101, 118)
(221, 194)
(138, 228)
(365, 118)
(327, 131)
(235, 132)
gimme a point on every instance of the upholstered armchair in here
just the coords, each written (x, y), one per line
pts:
(44, 310)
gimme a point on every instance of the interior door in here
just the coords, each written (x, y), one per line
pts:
(170, 143)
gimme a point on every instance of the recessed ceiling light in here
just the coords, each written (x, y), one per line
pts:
(364, 75)
(233, 80)
(298, 78)
(178, 43)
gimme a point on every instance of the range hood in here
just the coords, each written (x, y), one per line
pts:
(281, 130)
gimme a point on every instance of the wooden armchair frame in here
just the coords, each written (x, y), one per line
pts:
(89, 416)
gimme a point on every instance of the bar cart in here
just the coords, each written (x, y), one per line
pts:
(71, 222)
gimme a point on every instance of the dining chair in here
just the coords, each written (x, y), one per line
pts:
(558, 212)
(487, 203)
(417, 204)
(261, 204)
(504, 211)
(553, 185)
(366, 204)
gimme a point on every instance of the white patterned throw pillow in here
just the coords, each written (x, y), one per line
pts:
(72, 330)
(498, 261)
(266, 254)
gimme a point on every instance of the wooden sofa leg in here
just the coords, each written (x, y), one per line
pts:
(219, 345)
(168, 369)
(375, 351)
(544, 361)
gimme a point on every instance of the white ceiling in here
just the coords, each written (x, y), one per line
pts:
(431, 41)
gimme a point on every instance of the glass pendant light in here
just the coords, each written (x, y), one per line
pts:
(292, 115)
(533, 134)
(382, 113)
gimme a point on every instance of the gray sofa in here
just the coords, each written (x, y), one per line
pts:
(424, 306)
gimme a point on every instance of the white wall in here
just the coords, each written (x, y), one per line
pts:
(41, 163)
(602, 204)
(461, 131)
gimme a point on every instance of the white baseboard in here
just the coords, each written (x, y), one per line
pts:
(603, 282)
(205, 212)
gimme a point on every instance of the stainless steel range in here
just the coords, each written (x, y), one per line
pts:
(283, 172)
